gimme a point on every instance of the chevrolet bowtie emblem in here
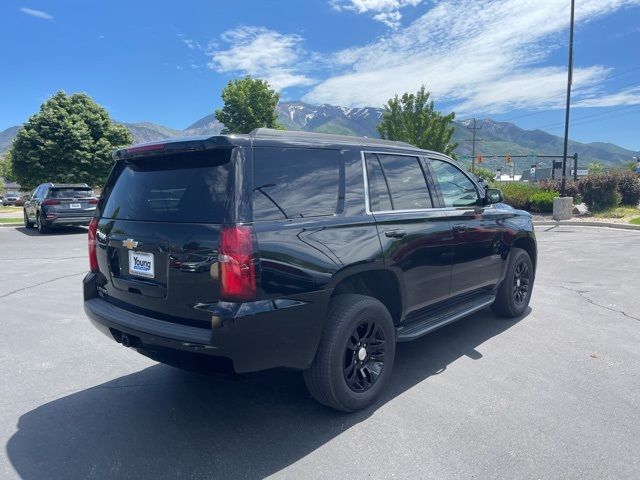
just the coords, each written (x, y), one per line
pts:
(129, 243)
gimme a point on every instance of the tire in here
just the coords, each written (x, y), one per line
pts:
(514, 292)
(41, 224)
(27, 222)
(345, 375)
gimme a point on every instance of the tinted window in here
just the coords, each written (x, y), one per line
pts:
(295, 182)
(189, 187)
(70, 193)
(405, 179)
(379, 198)
(457, 189)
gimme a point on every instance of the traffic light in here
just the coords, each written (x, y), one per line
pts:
(479, 159)
(507, 158)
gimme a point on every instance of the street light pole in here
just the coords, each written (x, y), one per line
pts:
(568, 107)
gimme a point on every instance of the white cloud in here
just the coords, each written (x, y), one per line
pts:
(263, 53)
(363, 6)
(36, 13)
(391, 19)
(389, 10)
(629, 96)
(190, 43)
(479, 56)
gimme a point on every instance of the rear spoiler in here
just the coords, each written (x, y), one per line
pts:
(179, 145)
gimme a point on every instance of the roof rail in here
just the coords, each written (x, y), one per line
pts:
(329, 137)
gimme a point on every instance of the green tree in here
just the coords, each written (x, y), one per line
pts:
(6, 170)
(412, 118)
(248, 103)
(486, 174)
(595, 168)
(69, 140)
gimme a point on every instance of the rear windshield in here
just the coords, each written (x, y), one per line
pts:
(70, 193)
(191, 187)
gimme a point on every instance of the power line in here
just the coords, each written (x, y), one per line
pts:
(579, 120)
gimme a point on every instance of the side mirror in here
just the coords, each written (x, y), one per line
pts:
(494, 195)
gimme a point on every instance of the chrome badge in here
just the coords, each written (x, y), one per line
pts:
(130, 243)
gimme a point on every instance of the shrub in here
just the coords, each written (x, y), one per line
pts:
(600, 191)
(629, 187)
(571, 188)
(542, 201)
(518, 195)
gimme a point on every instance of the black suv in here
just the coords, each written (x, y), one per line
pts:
(58, 205)
(307, 251)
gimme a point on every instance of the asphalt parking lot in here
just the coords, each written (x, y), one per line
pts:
(555, 394)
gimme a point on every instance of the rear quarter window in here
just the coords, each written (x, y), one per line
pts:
(296, 182)
(192, 187)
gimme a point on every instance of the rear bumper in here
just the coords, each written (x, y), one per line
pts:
(254, 335)
(62, 220)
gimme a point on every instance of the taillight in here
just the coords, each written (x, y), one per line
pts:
(51, 201)
(93, 257)
(236, 263)
(93, 201)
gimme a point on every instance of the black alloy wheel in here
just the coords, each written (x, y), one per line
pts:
(521, 282)
(354, 360)
(514, 293)
(364, 356)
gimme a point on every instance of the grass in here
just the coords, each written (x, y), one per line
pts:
(635, 221)
(9, 209)
(618, 212)
(11, 220)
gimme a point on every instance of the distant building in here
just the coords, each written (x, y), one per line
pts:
(11, 187)
(507, 178)
(544, 173)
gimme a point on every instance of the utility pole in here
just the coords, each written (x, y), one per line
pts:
(473, 143)
(568, 107)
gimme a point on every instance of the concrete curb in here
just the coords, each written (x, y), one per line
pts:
(11, 225)
(622, 226)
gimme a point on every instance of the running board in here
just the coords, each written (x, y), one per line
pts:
(434, 318)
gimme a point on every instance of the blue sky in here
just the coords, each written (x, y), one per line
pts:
(166, 62)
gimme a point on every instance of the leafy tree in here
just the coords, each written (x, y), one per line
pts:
(413, 119)
(1, 186)
(595, 168)
(486, 174)
(6, 170)
(69, 140)
(248, 103)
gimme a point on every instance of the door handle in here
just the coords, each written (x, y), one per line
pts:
(395, 233)
(460, 227)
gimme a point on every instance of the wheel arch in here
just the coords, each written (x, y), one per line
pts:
(379, 283)
(528, 244)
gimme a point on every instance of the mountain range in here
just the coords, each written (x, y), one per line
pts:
(496, 137)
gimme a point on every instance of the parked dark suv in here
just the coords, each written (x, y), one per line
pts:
(307, 251)
(56, 205)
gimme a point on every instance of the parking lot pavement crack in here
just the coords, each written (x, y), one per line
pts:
(28, 287)
(593, 302)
